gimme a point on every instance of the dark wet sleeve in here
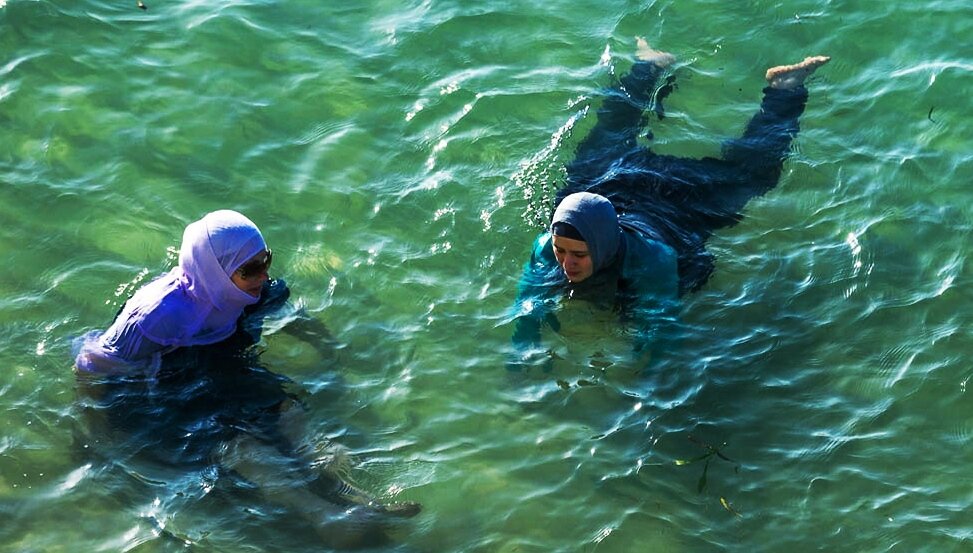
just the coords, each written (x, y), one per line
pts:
(532, 307)
(273, 296)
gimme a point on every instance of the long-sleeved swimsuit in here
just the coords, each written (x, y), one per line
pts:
(670, 205)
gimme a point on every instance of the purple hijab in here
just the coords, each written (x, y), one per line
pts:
(195, 303)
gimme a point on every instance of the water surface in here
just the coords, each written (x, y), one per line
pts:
(399, 158)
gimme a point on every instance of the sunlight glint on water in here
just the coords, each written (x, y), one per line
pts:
(400, 158)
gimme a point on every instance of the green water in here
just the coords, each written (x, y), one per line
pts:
(397, 157)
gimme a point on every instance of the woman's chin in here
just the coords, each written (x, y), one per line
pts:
(575, 278)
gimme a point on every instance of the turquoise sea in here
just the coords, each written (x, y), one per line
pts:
(399, 158)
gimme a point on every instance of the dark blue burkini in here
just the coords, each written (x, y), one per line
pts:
(204, 397)
(201, 397)
(667, 208)
(682, 200)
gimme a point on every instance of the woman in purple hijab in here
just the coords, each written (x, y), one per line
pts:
(174, 379)
(223, 264)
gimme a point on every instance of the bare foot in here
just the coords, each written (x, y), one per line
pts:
(645, 52)
(792, 76)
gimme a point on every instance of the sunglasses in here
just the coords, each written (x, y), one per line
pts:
(257, 266)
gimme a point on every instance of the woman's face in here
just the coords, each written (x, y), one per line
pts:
(252, 275)
(573, 257)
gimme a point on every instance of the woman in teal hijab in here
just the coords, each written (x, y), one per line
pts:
(592, 254)
(631, 226)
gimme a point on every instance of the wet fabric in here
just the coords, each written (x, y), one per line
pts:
(214, 422)
(196, 303)
(680, 201)
(667, 207)
(200, 398)
(640, 282)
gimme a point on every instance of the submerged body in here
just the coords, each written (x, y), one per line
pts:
(631, 226)
(175, 384)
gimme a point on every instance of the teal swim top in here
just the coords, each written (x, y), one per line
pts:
(641, 280)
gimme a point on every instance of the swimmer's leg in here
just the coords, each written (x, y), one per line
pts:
(281, 481)
(620, 119)
(334, 488)
(322, 467)
(757, 157)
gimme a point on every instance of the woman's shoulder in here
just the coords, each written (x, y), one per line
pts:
(640, 245)
(650, 262)
(541, 270)
(159, 297)
(165, 313)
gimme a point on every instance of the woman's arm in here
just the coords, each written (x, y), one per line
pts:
(651, 295)
(533, 305)
(119, 350)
